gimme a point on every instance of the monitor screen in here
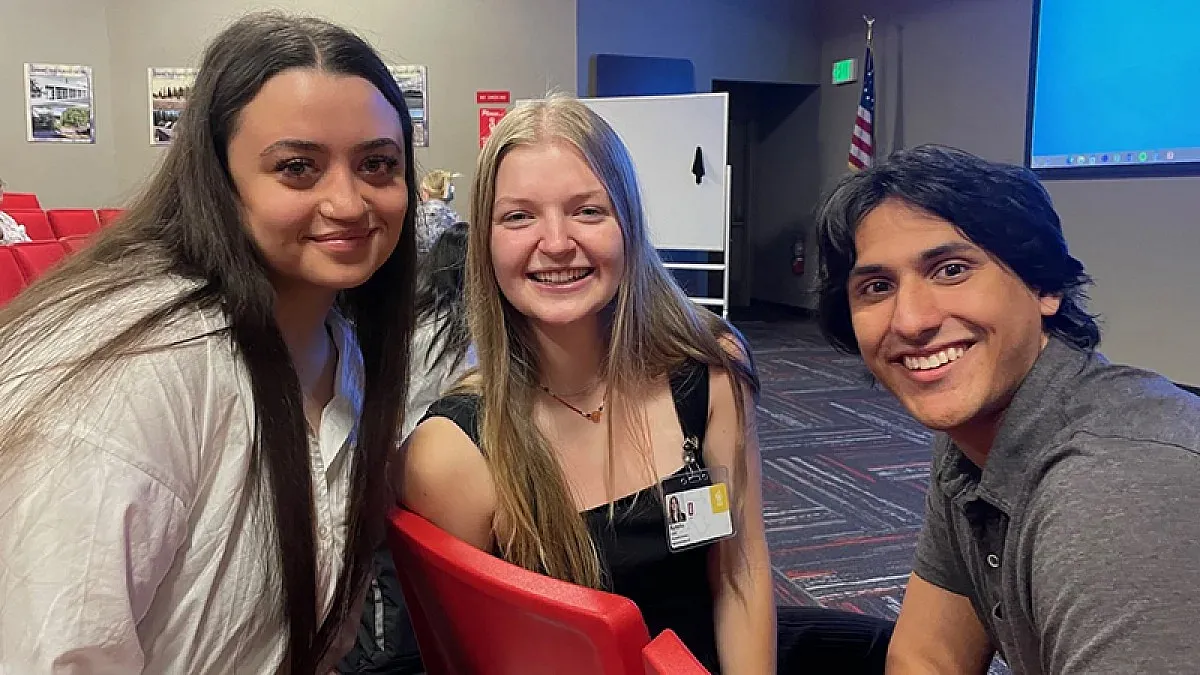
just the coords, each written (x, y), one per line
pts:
(1114, 88)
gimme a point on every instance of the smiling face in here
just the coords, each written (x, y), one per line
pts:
(318, 163)
(557, 248)
(944, 326)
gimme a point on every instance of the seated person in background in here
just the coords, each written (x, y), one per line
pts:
(598, 379)
(11, 231)
(441, 347)
(196, 410)
(434, 214)
(1060, 523)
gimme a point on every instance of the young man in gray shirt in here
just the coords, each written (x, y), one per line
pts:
(1062, 523)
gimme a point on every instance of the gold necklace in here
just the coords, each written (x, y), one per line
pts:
(595, 416)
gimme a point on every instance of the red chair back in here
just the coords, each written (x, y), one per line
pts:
(12, 281)
(21, 201)
(35, 257)
(72, 222)
(474, 613)
(109, 216)
(667, 655)
(75, 243)
(35, 222)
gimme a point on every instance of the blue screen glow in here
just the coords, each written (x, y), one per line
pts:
(1117, 82)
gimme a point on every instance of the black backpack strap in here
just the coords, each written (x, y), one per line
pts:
(689, 390)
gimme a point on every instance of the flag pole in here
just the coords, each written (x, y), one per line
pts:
(862, 143)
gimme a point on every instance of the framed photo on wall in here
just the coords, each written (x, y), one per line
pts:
(59, 104)
(169, 89)
(414, 83)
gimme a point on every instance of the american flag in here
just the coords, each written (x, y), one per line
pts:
(862, 143)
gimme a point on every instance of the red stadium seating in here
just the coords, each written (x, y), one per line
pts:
(475, 613)
(667, 655)
(35, 222)
(11, 278)
(21, 201)
(35, 257)
(72, 222)
(108, 216)
(75, 243)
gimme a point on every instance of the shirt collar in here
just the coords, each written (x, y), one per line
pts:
(349, 383)
(1033, 416)
(341, 418)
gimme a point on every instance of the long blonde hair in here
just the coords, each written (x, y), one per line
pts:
(654, 328)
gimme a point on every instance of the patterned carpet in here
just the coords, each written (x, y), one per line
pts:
(844, 474)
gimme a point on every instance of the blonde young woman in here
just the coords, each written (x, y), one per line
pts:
(593, 366)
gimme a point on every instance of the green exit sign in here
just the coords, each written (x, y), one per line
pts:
(845, 71)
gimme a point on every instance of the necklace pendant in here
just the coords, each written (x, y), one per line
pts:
(595, 416)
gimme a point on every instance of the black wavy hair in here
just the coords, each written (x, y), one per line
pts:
(1001, 208)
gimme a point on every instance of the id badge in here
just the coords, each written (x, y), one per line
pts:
(697, 508)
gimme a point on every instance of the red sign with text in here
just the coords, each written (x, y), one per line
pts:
(488, 119)
(493, 97)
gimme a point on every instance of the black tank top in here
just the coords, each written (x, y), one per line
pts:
(671, 589)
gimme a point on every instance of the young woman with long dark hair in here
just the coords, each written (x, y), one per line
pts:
(196, 410)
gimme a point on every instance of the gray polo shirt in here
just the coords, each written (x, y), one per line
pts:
(1079, 543)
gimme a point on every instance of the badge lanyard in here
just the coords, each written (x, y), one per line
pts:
(696, 502)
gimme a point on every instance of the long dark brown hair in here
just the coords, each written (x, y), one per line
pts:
(187, 223)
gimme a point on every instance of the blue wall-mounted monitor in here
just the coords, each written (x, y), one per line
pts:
(1114, 88)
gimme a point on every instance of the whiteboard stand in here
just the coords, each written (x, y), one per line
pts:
(722, 267)
(725, 253)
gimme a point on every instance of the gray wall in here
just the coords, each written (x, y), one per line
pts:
(768, 40)
(525, 46)
(956, 73)
(66, 31)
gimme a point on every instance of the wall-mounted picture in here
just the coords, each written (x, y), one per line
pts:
(58, 99)
(169, 91)
(415, 85)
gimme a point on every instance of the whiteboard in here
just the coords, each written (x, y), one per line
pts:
(662, 134)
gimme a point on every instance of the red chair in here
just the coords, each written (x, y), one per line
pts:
(35, 257)
(667, 655)
(12, 281)
(21, 201)
(72, 222)
(475, 613)
(36, 224)
(75, 243)
(109, 216)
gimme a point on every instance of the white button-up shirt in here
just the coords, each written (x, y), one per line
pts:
(130, 539)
